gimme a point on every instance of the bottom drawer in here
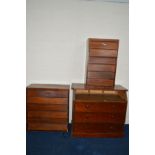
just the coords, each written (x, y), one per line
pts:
(97, 127)
(47, 126)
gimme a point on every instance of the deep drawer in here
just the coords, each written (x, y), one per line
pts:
(80, 117)
(99, 107)
(47, 93)
(103, 44)
(97, 127)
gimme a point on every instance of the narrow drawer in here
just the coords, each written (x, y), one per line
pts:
(101, 75)
(99, 67)
(100, 82)
(102, 53)
(47, 93)
(97, 127)
(100, 107)
(47, 120)
(46, 114)
(103, 45)
(47, 126)
(80, 117)
(47, 100)
(46, 106)
(98, 60)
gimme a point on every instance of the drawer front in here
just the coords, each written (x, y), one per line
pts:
(52, 107)
(103, 45)
(46, 115)
(99, 67)
(47, 126)
(100, 82)
(47, 100)
(47, 93)
(100, 107)
(102, 53)
(98, 60)
(101, 75)
(80, 117)
(97, 127)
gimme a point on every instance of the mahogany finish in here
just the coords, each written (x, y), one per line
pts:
(98, 112)
(102, 61)
(47, 107)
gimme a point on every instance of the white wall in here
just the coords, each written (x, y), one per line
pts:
(57, 31)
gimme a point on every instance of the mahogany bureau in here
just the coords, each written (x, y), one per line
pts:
(98, 112)
(102, 62)
(47, 107)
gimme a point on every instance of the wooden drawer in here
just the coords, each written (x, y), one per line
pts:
(80, 117)
(47, 126)
(47, 93)
(100, 107)
(47, 100)
(99, 67)
(103, 45)
(102, 60)
(101, 75)
(47, 114)
(46, 107)
(102, 53)
(97, 127)
(100, 82)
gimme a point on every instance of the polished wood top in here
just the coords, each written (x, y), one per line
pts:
(86, 87)
(49, 86)
(98, 39)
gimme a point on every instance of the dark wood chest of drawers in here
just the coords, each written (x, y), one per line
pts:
(98, 113)
(47, 107)
(102, 61)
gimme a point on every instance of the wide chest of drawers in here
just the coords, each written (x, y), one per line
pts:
(98, 113)
(47, 107)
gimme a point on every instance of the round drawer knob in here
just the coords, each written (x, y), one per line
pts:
(87, 106)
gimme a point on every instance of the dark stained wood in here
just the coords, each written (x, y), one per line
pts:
(98, 135)
(98, 112)
(47, 100)
(102, 60)
(101, 75)
(47, 107)
(100, 107)
(97, 127)
(100, 82)
(99, 67)
(103, 53)
(48, 126)
(81, 86)
(103, 44)
(80, 117)
(49, 86)
(47, 93)
(102, 57)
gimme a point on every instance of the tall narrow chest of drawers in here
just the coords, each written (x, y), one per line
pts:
(102, 62)
(47, 107)
(98, 112)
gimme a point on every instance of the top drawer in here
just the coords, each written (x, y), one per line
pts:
(47, 93)
(103, 45)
